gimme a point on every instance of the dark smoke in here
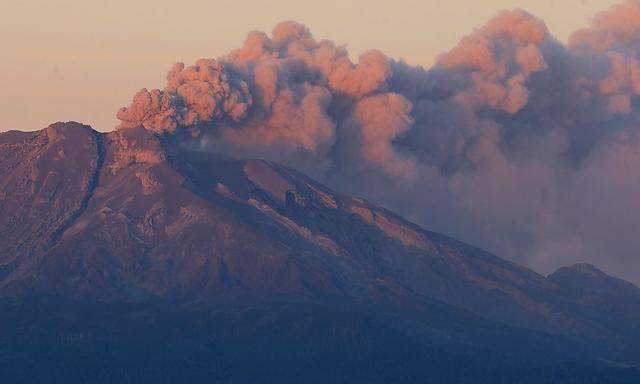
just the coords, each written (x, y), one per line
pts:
(512, 141)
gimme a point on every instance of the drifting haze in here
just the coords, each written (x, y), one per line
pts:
(512, 141)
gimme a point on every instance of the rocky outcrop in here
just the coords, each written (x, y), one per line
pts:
(47, 181)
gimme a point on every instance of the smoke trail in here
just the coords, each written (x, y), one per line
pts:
(512, 141)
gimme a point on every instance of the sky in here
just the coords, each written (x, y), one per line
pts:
(82, 60)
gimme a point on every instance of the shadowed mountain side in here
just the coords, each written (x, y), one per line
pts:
(49, 339)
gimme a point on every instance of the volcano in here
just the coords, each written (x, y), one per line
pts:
(131, 256)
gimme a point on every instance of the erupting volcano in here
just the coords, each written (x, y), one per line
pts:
(236, 226)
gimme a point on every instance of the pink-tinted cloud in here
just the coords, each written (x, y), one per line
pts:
(511, 141)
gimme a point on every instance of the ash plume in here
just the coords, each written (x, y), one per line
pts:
(512, 140)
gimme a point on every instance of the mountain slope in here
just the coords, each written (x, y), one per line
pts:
(130, 216)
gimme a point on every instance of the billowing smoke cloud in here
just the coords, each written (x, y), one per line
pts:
(198, 94)
(512, 141)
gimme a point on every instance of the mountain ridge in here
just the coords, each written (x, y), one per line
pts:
(131, 216)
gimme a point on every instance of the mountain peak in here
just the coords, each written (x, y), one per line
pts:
(597, 291)
(583, 269)
(583, 272)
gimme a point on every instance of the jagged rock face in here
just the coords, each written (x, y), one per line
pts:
(46, 181)
(130, 216)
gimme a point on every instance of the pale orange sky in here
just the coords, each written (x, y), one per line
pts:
(82, 60)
